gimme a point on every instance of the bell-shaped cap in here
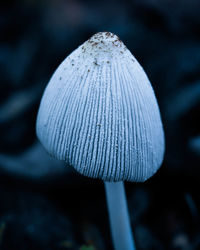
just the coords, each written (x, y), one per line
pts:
(100, 115)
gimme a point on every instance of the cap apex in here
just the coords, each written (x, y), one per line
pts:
(104, 43)
(105, 38)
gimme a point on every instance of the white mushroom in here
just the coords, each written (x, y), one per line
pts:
(99, 114)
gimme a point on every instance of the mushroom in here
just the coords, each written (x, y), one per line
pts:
(100, 115)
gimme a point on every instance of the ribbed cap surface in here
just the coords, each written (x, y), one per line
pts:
(99, 113)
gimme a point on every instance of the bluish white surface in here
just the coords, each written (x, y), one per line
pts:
(99, 113)
(118, 216)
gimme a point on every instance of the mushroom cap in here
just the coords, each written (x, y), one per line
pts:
(100, 115)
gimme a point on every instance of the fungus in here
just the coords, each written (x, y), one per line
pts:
(104, 121)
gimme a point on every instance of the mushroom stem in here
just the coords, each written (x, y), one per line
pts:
(118, 215)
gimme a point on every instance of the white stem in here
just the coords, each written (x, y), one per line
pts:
(118, 215)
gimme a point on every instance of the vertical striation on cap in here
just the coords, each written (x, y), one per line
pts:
(99, 113)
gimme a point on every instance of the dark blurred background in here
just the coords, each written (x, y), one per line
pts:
(46, 205)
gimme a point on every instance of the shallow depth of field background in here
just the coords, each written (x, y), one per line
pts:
(45, 204)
